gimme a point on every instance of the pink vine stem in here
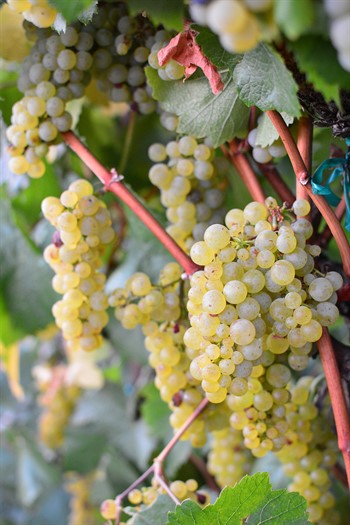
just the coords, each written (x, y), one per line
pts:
(112, 182)
(244, 169)
(275, 180)
(304, 144)
(303, 177)
(336, 393)
(156, 468)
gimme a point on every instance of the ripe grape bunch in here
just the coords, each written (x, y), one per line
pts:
(255, 309)
(83, 226)
(113, 49)
(188, 177)
(157, 308)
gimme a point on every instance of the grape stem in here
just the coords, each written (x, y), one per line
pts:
(112, 183)
(303, 177)
(244, 170)
(271, 173)
(336, 393)
(304, 143)
(201, 466)
(157, 467)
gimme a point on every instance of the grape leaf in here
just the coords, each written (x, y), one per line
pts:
(169, 14)
(9, 331)
(267, 134)
(317, 58)
(211, 47)
(264, 81)
(71, 10)
(281, 507)
(202, 114)
(294, 18)
(233, 504)
(24, 277)
(155, 514)
(155, 412)
(251, 498)
(35, 476)
(29, 200)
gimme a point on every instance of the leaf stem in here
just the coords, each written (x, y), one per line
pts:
(304, 143)
(113, 183)
(127, 142)
(303, 177)
(245, 171)
(336, 393)
(201, 466)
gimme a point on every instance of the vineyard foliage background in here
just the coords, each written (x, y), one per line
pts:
(65, 449)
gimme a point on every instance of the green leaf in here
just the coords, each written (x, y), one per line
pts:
(28, 201)
(233, 504)
(267, 134)
(212, 49)
(202, 114)
(264, 81)
(155, 514)
(317, 58)
(169, 14)
(251, 500)
(294, 18)
(155, 412)
(34, 475)
(71, 10)
(9, 93)
(9, 331)
(83, 449)
(281, 507)
(25, 278)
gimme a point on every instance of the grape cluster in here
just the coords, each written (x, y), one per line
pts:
(59, 406)
(264, 155)
(147, 495)
(38, 12)
(255, 310)
(228, 459)
(234, 21)
(112, 49)
(157, 308)
(339, 13)
(83, 226)
(310, 453)
(187, 175)
(123, 46)
(82, 508)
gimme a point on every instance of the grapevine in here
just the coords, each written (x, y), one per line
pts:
(175, 286)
